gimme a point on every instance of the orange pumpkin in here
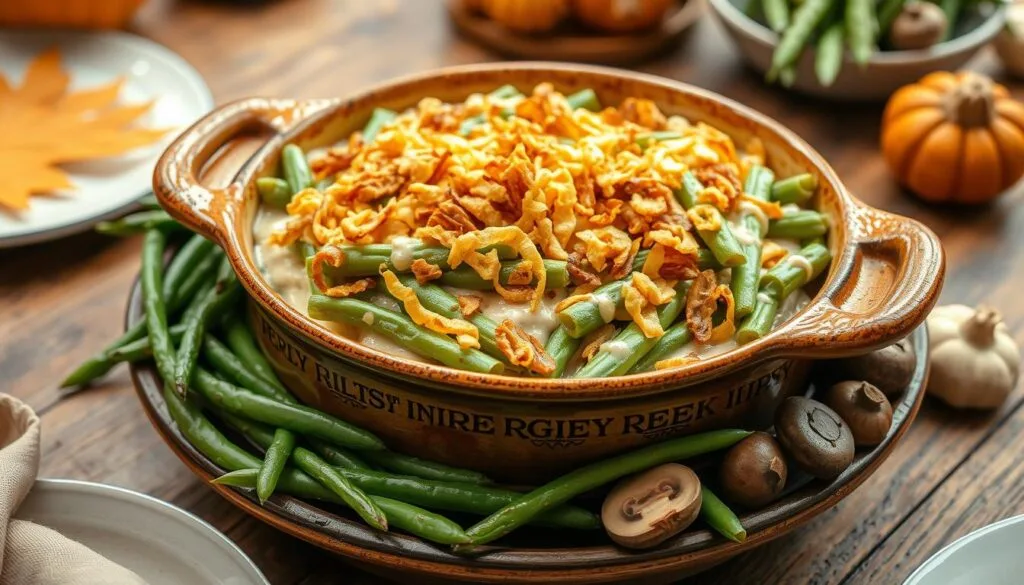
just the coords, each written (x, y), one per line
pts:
(954, 137)
(621, 16)
(68, 13)
(526, 16)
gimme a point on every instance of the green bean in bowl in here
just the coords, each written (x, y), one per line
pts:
(540, 235)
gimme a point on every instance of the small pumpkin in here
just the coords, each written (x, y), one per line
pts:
(954, 137)
(621, 16)
(526, 16)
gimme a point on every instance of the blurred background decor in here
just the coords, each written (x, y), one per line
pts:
(87, 14)
(1010, 42)
(610, 32)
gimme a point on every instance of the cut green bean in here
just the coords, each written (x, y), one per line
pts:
(719, 517)
(196, 323)
(645, 140)
(151, 277)
(467, 278)
(274, 460)
(691, 189)
(295, 168)
(422, 468)
(401, 329)
(802, 224)
(861, 29)
(505, 92)
(759, 323)
(616, 357)
(561, 347)
(595, 475)
(137, 223)
(378, 119)
(806, 19)
(828, 56)
(776, 14)
(586, 99)
(366, 260)
(722, 242)
(294, 417)
(796, 270)
(274, 191)
(586, 316)
(140, 349)
(675, 338)
(797, 189)
(746, 276)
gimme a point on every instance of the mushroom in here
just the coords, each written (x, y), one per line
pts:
(817, 439)
(753, 472)
(889, 369)
(864, 408)
(918, 26)
(644, 510)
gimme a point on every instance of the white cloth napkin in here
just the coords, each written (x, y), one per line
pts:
(31, 554)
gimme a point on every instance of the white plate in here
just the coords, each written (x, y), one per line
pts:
(987, 556)
(109, 186)
(163, 544)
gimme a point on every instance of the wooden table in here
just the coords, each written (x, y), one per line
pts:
(953, 473)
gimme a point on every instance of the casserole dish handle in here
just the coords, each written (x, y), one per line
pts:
(893, 280)
(176, 179)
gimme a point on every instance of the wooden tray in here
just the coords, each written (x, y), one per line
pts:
(531, 556)
(571, 43)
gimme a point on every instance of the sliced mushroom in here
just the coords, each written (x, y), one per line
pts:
(817, 438)
(864, 408)
(753, 471)
(644, 510)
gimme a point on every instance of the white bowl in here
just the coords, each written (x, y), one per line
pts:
(987, 556)
(886, 72)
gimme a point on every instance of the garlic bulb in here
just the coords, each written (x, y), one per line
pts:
(974, 361)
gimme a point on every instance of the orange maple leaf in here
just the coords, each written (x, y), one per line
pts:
(43, 126)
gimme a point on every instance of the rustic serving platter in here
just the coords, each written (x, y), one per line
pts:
(570, 43)
(532, 556)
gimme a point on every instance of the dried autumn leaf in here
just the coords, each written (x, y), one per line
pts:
(44, 126)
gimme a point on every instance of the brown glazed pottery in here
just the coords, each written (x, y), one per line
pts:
(884, 278)
(535, 555)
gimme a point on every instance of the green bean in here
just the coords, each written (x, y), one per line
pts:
(561, 347)
(806, 19)
(828, 58)
(791, 274)
(505, 92)
(296, 168)
(607, 363)
(645, 140)
(467, 278)
(294, 417)
(595, 475)
(378, 119)
(138, 222)
(675, 337)
(469, 124)
(687, 195)
(722, 242)
(787, 76)
(797, 189)
(149, 202)
(861, 29)
(402, 330)
(754, 9)
(366, 260)
(242, 344)
(746, 276)
(195, 326)
(336, 455)
(952, 9)
(446, 304)
(205, 437)
(334, 480)
(776, 14)
(720, 517)
(586, 316)
(274, 191)
(226, 363)
(140, 349)
(757, 324)
(819, 240)
(415, 467)
(585, 98)
(153, 303)
(887, 12)
(802, 224)
(274, 461)
(438, 494)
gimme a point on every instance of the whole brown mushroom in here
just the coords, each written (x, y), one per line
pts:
(753, 471)
(918, 26)
(889, 369)
(817, 438)
(644, 510)
(864, 408)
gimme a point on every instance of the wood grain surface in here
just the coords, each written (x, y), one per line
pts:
(62, 301)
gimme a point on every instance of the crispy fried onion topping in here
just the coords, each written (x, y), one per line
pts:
(469, 305)
(705, 218)
(592, 343)
(464, 249)
(465, 332)
(677, 362)
(641, 297)
(578, 271)
(772, 253)
(771, 209)
(333, 256)
(425, 271)
(673, 255)
(702, 302)
(607, 244)
(523, 349)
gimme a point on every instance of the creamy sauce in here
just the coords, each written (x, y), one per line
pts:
(619, 350)
(401, 252)
(539, 324)
(802, 263)
(282, 266)
(368, 318)
(790, 209)
(743, 235)
(747, 208)
(791, 246)
(606, 306)
(763, 297)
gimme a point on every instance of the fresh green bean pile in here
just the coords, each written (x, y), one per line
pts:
(729, 243)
